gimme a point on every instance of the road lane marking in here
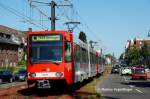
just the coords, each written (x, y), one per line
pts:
(139, 91)
(125, 80)
(131, 86)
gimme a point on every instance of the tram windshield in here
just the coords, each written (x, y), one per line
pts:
(45, 48)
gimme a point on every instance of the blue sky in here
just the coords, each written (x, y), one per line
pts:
(112, 22)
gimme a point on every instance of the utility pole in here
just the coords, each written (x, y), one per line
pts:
(53, 18)
(101, 51)
(148, 33)
(91, 43)
(101, 56)
(53, 6)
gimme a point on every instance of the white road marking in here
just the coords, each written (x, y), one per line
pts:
(125, 80)
(131, 86)
(139, 91)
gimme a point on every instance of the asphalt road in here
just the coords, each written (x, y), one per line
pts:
(115, 86)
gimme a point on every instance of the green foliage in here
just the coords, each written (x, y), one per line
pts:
(108, 55)
(133, 56)
(121, 56)
(22, 63)
(82, 37)
(145, 52)
(68, 58)
(112, 57)
(12, 69)
(24, 52)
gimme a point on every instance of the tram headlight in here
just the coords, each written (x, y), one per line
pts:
(32, 74)
(59, 74)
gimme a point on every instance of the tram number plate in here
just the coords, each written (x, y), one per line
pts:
(45, 74)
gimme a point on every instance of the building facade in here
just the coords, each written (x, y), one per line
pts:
(140, 43)
(11, 46)
(137, 42)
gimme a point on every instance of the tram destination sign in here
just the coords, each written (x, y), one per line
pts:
(46, 38)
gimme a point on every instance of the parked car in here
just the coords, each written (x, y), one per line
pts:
(139, 73)
(115, 70)
(126, 71)
(6, 76)
(21, 75)
(146, 70)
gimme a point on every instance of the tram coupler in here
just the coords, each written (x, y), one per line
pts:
(43, 84)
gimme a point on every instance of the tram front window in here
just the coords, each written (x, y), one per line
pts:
(47, 48)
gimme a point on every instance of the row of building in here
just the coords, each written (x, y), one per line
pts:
(138, 42)
(12, 44)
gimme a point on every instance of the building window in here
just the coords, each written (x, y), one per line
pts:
(2, 64)
(10, 64)
(14, 65)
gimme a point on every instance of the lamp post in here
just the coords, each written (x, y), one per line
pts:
(148, 33)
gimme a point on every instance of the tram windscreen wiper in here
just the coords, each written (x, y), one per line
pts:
(56, 62)
(47, 61)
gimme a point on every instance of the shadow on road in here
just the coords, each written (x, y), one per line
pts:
(67, 91)
(107, 97)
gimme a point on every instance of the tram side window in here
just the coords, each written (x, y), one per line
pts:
(83, 55)
(87, 59)
(95, 62)
(77, 53)
(91, 58)
(68, 52)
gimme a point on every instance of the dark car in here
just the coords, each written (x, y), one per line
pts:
(115, 70)
(21, 75)
(6, 76)
(139, 73)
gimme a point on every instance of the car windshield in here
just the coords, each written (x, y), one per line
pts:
(22, 72)
(4, 72)
(139, 71)
(45, 48)
(114, 68)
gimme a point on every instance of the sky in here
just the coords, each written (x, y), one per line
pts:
(109, 22)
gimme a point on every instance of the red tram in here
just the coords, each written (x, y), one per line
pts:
(53, 56)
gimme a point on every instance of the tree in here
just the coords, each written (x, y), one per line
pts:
(112, 57)
(145, 53)
(121, 56)
(82, 37)
(133, 56)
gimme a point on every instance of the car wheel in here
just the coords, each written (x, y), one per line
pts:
(132, 78)
(10, 80)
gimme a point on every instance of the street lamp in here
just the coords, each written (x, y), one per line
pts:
(148, 33)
